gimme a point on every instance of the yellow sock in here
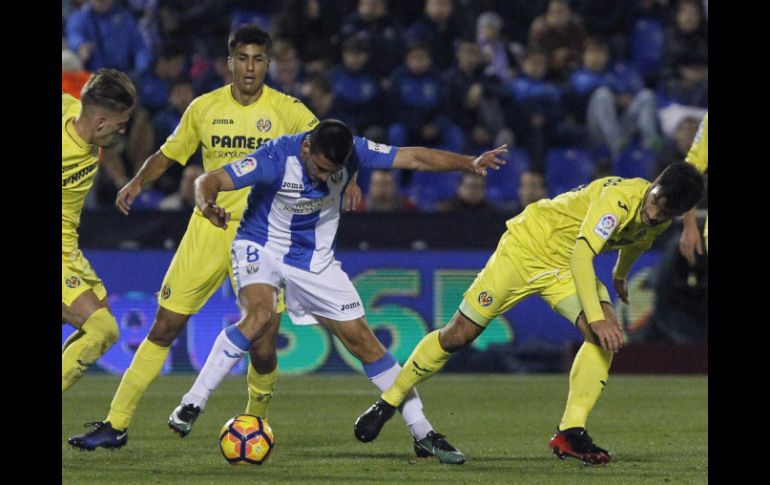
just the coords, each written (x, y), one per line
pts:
(426, 359)
(587, 378)
(98, 334)
(147, 363)
(260, 391)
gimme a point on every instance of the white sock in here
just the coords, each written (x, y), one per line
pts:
(383, 374)
(231, 345)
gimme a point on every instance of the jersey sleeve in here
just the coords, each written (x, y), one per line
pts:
(374, 155)
(302, 118)
(699, 150)
(257, 169)
(605, 214)
(184, 140)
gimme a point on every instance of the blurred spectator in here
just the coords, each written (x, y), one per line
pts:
(500, 62)
(319, 96)
(592, 74)
(416, 104)
(675, 149)
(357, 91)
(616, 115)
(383, 195)
(685, 57)
(200, 25)
(372, 22)
(310, 27)
(210, 75)
(104, 34)
(518, 16)
(286, 72)
(184, 197)
(473, 99)
(560, 32)
(538, 106)
(154, 85)
(470, 198)
(164, 123)
(437, 27)
(73, 76)
(610, 20)
(532, 188)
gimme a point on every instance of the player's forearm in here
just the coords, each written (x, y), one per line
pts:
(626, 259)
(207, 188)
(690, 220)
(430, 160)
(582, 266)
(152, 169)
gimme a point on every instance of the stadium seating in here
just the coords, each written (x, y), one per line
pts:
(503, 184)
(634, 161)
(566, 168)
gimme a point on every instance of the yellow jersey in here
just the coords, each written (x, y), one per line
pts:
(228, 131)
(606, 213)
(79, 163)
(698, 154)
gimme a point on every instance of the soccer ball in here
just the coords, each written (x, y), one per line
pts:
(246, 440)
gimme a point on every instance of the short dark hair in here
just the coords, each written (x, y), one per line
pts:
(682, 186)
(109, 89)
(332, 139)
(248, 34)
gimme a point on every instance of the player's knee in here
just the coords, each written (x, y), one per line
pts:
(256, 321)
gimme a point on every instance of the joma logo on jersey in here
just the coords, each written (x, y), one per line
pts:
(237, 142)
(350, 306)
(72, 282)
(292, 185)
(222, 121)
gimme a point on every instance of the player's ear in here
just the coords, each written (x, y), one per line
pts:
(230, 63)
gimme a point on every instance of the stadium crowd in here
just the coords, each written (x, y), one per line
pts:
(577, 88)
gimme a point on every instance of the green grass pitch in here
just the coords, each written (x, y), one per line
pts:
(656, 427)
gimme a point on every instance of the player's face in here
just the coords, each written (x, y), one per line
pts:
(248, 65)
(319, 168)
(654, 208)
(109, 126)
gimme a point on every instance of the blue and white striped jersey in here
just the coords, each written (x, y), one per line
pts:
(292, 217)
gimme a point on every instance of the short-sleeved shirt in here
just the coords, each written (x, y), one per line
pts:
(289, 215)
(228, 131)
(79, 163)
(606, 213)
(698, 154)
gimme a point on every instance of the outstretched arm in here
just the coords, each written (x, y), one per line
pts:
(207, 186)
(151, 170)
(428, 159)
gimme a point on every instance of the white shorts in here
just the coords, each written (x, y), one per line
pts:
(329, 294)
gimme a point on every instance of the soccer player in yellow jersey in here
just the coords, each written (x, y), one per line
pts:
(548, 250)
(105, 105)
(690, 241)
(228, 123)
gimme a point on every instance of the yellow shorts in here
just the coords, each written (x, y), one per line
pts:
(78, 277)
(513, 274)
(200, 266)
